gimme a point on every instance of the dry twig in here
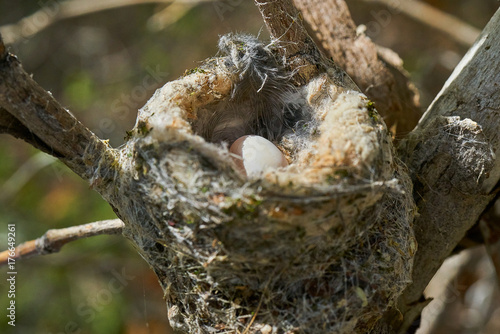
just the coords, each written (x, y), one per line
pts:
(53, 240)
(11, 125)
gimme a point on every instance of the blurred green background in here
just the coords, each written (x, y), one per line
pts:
(103, 66)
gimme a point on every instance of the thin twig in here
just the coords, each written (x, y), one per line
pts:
(459, 30)
(284, 24)
(48, 15)
(434, 153)
(53, 240)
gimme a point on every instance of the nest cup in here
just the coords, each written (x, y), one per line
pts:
(322, 246)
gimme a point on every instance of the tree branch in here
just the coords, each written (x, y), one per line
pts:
(53, 240)
(11, 125)
(283, 23)
(41, 120)
(452, 162)
(299, 51)
(380, 77)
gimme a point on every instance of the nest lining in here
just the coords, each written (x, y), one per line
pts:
(322, 246)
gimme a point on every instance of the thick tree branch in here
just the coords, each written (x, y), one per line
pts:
(452, 160)
(286, 29)
(284, 23)
(380, 77)
(53, 240)
(44, 122)
(287, 32)
(11, 125)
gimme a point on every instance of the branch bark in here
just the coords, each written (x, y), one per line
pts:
(32, 114)
(11, 125)
(452, 161)
(53, 240)
(380, 77)
(286, 29)
(284, 23)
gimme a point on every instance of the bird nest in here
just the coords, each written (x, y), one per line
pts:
(323, 245)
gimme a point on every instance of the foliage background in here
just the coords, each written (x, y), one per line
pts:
(103, 67)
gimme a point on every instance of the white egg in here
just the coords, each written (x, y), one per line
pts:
(255, 154)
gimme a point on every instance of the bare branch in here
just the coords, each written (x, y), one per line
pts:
(380, 77)
(452, 161)
(285, 26)
(460, 31)
(11, 125)
(46, 123)
(53, 240)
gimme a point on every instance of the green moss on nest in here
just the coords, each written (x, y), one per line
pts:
(372, 112)
(194, 70)
(142, 128)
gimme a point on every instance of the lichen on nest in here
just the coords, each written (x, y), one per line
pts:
(322, 246)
